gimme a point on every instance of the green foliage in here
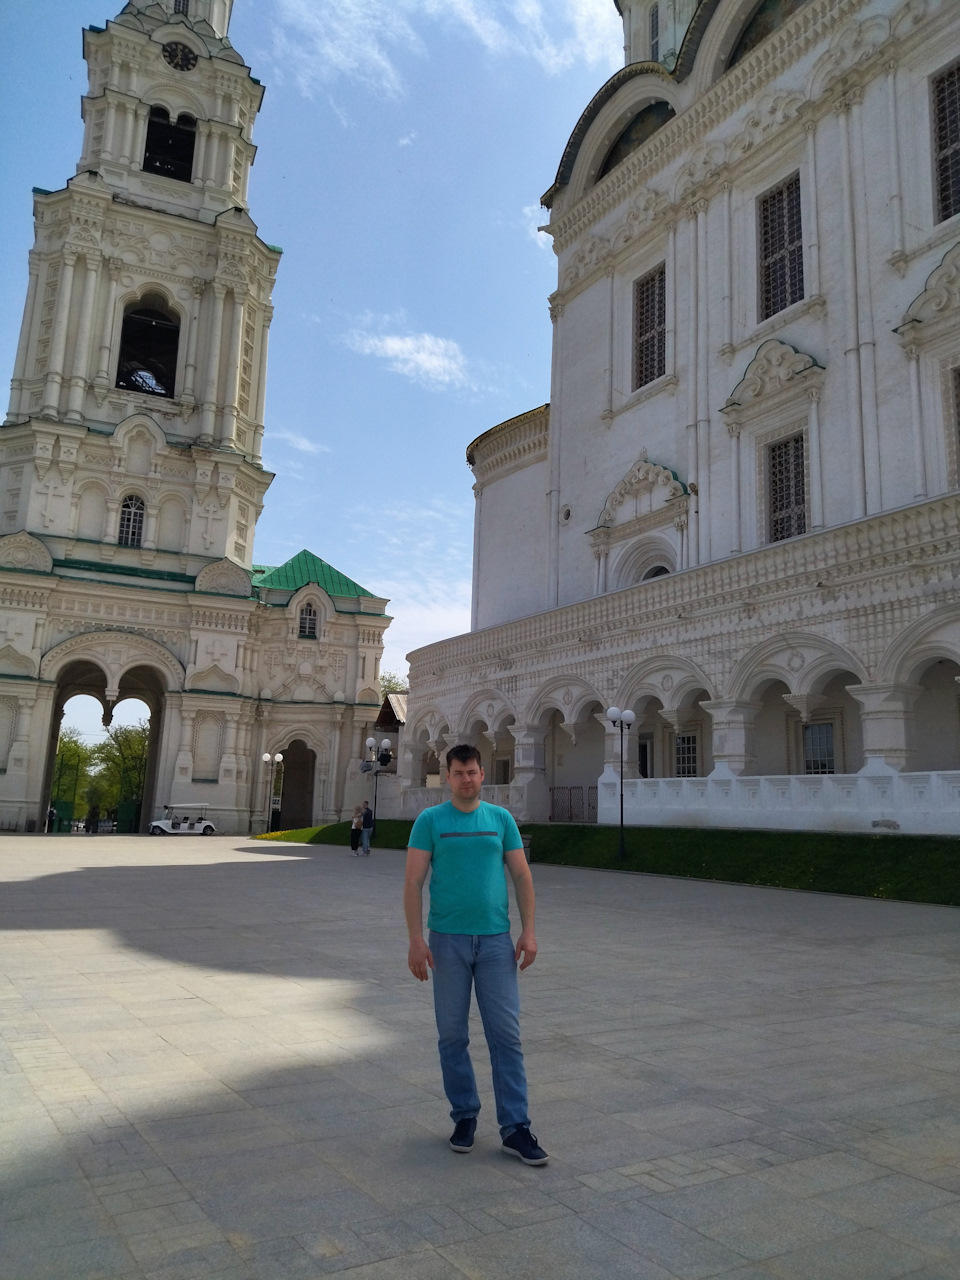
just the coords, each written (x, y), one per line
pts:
(907, 868)
(393, 682)
(299, 835)
(71, 770)
(119, 765)
(392, 833)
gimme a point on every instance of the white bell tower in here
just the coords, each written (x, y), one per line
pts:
(136, 408)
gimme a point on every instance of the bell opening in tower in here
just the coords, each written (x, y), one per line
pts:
(148, 347)
(170, 145)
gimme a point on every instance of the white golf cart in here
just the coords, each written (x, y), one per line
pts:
(183, 820)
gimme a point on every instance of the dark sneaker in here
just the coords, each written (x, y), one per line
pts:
(461, 1139)
(522, 1144)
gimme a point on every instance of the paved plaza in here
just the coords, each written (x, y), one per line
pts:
(215, 1066)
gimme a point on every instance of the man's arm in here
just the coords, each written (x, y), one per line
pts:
(519, 869)
(418, 955)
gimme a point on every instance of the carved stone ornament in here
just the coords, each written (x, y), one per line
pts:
(214, 679)
(12, 662)
(641, 477)
(23, 551)
(224, 578)
(775, 366)
(940, 298)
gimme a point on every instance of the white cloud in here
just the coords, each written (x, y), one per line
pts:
(534, 217)
(435, 363)
(423, 563)
(359, 39)
(405, 142)
(300, 443)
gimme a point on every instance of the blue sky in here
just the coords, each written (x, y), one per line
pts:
(403, 149)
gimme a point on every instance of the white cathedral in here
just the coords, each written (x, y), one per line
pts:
(738, 517)
(130, 461)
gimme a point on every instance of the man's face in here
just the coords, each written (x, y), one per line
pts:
(465, 779)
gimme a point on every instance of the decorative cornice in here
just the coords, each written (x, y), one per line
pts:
(679, 136)
(775, 367)
(510, 445)
(641, 478)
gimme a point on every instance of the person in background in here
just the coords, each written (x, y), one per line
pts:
(366, 826)
(356, 822)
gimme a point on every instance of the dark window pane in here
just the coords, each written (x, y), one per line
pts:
(649, 327)
(781, 248)
(946, 106)
(787, 489)
(148, 350)
(169, 148)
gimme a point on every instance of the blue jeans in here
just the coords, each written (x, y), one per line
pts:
(487, 963)
(365, 839)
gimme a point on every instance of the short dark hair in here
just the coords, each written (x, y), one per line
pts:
(463, 753)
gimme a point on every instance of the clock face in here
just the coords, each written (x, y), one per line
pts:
(180, 56)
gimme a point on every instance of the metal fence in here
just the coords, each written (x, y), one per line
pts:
(573, 804)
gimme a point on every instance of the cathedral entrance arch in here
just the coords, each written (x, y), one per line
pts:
(112, 668)
(299, 772)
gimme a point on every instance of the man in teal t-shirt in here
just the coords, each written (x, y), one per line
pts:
(464, 845)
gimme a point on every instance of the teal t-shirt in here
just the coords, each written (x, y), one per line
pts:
(468, 886)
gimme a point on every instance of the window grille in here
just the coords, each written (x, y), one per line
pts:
(686, 755)
(655, 33)
(818, 755)
(308, 622)
(781, 248)
(131, 521)
(650, 327)
(946, 107)
(181, 6)
(787, 489)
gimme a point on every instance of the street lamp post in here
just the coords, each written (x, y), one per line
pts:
(272, 761)
(384, 756)
(622, 720)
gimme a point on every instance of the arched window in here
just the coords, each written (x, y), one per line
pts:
(643, 126)
(181, 6)
(655, 33)
(148, 347)
(308, 622)
(766, 17)
(658, 571)
(131, 521)
(169, 149)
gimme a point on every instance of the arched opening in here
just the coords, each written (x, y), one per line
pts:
(308, 622)
(103, 756)
(170, 145)
(774, 726)
(648, 745)
(149, 342)
(296, 801)
(936, 717)
(763, 21)
(639, 130)
(574, 761)
(658, 571)
(691, 748)
(501, 774)
(132, 512)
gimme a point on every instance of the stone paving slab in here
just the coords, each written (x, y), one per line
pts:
(215, 1066)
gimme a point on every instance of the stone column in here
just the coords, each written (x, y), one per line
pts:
(208, 412)
(20, 363)
(816, 471)
(139, 144)
(81, 370)
(851, 340)
(58, 338)
(200, 155)
(813, 212)
(228, 434)
(150, 527)
(102, 378)
(112, 530)
(736, 541)
(190, 371)
(530, 770)
(886, 719)
(734, 748)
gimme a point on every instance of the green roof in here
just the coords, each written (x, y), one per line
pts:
(302, 569)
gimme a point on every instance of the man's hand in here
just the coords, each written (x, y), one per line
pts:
(419, 959)
(526, 947)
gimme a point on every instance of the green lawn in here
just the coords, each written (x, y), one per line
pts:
(908, 868)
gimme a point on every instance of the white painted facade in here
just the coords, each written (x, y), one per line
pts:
(630, 544)
(130, 459)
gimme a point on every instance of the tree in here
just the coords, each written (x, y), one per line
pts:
(71, 771)
(393, 682)
(120, 764)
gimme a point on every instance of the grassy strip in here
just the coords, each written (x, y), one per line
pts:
(391, 834)
(907, 868)
(300, 835)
